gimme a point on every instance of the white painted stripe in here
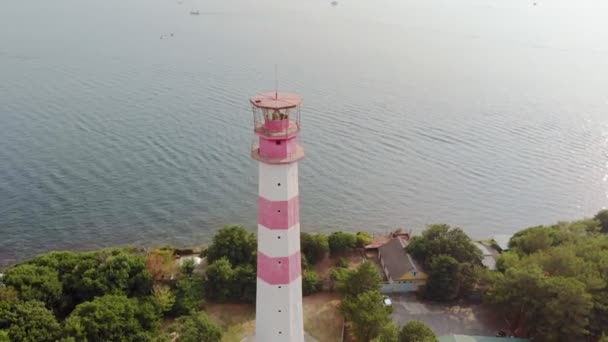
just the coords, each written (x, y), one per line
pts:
(279, 242)
(269, 321)
(278, 182)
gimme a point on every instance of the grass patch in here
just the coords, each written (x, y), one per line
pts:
(236, 320)
(322, 320)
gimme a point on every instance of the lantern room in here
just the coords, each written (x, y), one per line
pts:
(276, 115)
(276, 119)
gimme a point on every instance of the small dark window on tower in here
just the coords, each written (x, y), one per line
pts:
(278, 142)
(279, 262)
(278, 211)
(279, 286)
(279, 310)
(280, 332)
(279, 184)
(278, 237)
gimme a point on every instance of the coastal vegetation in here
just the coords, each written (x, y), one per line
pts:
(451, 260)
(551, 285)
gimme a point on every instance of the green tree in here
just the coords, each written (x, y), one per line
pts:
(443, 283)
(388, 333)
(342, 263)
(33, 322)
(228, 284)
(310, 283)
(519, 295)
(187, 267)
(362, 279)
(416, 331)
(219, 284)
(196, 327)
(8, 299)
(4, 336)
(565, 314)
(506, 260)
(602, 217)
(189, 294)
(164, 298)
(363, 239)
(34, 283)
(367, 313)
(244, 283)
(314, 246)
(85, 276)
(340, 242)
(442, 239)
(234, 243)
(112, 318)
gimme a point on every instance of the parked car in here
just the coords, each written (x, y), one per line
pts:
(387, 301)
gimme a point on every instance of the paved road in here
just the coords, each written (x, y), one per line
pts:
(445, 319)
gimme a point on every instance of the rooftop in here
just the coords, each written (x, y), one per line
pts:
(396, 260)
(502, 240)
(488, 258)
(276, 100)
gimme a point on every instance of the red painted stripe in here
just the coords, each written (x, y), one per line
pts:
(277, 149)
(279, 214)
(280, 270)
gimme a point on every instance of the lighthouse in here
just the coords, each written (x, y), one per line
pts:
(276, 118)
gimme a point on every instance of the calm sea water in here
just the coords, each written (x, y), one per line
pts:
(491, 115)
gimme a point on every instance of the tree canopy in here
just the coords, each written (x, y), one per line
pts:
(34, 282)
(602, 217)
(362, 279)
(367, 313)
(310, 283)
(340, 242)
(196, 327)
(314, 246)
(553, 284)
(112, 318)
(234, 243)
(442, 239)
(226, 283)
(33, 322)
(416, 331)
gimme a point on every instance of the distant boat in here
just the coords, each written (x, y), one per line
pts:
(334, 3)
(195, 12)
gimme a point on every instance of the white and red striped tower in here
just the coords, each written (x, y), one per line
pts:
(279, 272)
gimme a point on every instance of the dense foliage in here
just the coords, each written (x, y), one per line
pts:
(196, 327)
(189, 292)
(113, 318)
(450, 258)
(32, 321)
(314, 246)
(363, 305)
(602, 217)
(367, 314)
(226, 283)
(310, 283)
(340, 242)
(442, 239)
(553, 283)
(362, 279)
(234, 243)
(416, 331)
